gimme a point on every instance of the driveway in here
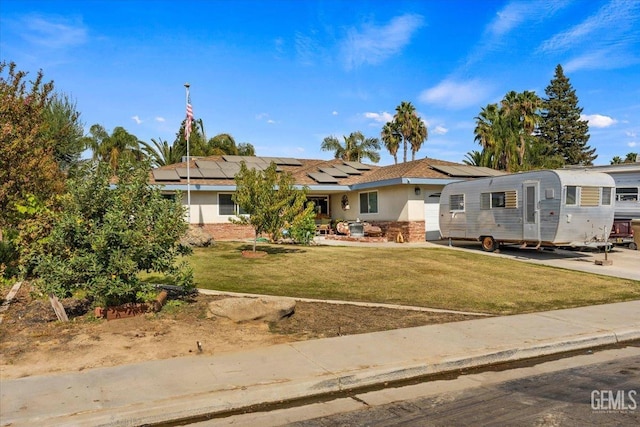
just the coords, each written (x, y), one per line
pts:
(625, 263)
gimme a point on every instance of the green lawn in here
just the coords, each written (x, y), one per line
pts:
(430, 277)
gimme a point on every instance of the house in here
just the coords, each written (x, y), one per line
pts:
(399, 199)
(627, 180)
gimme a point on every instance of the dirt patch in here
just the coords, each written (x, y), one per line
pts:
(33, 342)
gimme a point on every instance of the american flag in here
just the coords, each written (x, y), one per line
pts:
(187, 126)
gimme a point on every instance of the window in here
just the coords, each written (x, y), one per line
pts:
(456, 202)
(606, 195)
(369, 202)
(627, 194)
(570, 195)
(226, 206)
(589, 196)
(499, 199)
(321, 203)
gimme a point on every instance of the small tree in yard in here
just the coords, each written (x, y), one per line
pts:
(270, 201)
(105, 235)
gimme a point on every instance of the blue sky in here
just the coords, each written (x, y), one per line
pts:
(283, 75)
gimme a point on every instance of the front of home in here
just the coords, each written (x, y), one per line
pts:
(401, 200)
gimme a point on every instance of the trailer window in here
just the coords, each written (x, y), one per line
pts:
(456, 202)
(627, 194)
(499, 199)
(589, 196)
(606, 196)
(570, 195)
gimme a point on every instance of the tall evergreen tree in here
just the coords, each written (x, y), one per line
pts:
(561, 126)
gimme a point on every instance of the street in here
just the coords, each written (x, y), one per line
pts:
(593, 388)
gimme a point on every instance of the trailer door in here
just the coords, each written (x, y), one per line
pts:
(531, 219)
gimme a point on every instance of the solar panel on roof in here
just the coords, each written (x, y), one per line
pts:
(232, 159)
(348, 169)
(216, 173)
(464, 171)
(165, 175)
(207, 164)
(288, 161)
(324, 178)
(357, 165)
(193, 172)
(335, 172)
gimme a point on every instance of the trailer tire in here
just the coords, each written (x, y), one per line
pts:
(633, 246)
(488, 244)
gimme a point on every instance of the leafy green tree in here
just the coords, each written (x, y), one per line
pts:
(631, 158)
(410, 127)
(222, 144)
(120, 146)
(27, 160)
(246, 149)
(63, 127)
(391, 138)
(561, 126)
(270, 201)
(356, 147)
(104, 237)
(617, 160)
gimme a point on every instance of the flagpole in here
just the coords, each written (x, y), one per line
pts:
(187, 133)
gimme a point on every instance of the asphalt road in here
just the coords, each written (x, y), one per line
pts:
(589, 389)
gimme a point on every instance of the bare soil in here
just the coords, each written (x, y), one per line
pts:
(34, 342)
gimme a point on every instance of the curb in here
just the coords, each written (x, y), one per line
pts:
(218, 403)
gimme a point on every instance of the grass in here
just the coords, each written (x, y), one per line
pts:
(429, 277)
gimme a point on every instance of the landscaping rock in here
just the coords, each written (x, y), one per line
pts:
(268, 309)
(197, 237)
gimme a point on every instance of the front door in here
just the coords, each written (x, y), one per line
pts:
(432, 216)
(531, 214)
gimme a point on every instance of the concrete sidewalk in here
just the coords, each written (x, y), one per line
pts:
(174, 389)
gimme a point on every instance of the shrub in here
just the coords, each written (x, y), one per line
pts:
(106, 234)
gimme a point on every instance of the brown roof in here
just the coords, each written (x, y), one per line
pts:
(309, 172)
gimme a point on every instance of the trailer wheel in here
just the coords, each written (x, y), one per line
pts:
(633, 246)
(488, 244)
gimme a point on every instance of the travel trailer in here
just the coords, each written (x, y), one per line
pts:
(567, 208)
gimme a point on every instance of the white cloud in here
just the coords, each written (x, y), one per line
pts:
(632, 144)
(334, 113)
(383, 117)
(270, 121)
(610, 20)
(631, 134)
(374, 44)
(440, 130)
(456, 94)
(136, 119)
(52, 32)
(262, 116)
(160, 119)
(598, 120)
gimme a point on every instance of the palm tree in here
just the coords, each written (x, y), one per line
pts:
(120, 145)
(356, 147)
(412, 129)
(523, 109)
(161, 153)
(418, 136)
(391, 138)
(477, 158)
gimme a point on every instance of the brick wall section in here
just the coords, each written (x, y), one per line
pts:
(228, 231)
(412, 231)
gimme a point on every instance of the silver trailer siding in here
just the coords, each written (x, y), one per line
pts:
(538, 208)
